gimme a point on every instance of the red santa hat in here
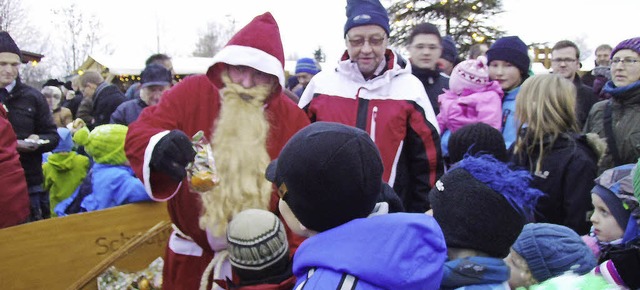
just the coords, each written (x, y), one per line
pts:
(257, 45)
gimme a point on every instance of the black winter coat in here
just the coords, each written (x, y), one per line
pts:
(434, 83)
(566, 177)
(105, 101)
(28, 114)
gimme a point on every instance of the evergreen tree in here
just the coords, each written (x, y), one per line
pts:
(467, 21)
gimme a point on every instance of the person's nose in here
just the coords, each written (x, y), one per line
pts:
(247, 81)
(366, 47)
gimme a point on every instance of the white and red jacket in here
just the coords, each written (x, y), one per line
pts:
(193, 105)
(395, 110)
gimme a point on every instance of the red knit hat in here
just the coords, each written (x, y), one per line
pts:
(257, 45)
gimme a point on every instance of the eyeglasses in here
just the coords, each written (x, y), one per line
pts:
(565, 60)
(376, 40)
(624, 61)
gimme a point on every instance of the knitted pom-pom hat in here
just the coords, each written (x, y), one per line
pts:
(105, 143)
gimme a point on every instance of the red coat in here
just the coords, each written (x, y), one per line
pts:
(190, 106)
(14, 198)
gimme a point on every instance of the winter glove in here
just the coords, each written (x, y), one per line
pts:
(172, 154)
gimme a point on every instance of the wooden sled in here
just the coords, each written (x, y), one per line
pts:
(70, 252)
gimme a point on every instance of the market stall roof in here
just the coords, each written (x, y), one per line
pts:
(126, 65)
(28, 56)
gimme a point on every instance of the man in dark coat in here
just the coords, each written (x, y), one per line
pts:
(155, 80)
(425, 47)
(30, 117)
(105, 97)
(565, 61)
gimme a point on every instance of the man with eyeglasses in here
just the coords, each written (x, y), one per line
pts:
(565, 61)
(240, 107)
(30, 117)
(373, 89)
(617, 120)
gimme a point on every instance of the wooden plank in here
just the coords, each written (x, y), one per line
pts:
(54, 253)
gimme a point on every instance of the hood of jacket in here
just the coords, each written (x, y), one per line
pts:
(390, 251)
(257, 45)
(62, 161)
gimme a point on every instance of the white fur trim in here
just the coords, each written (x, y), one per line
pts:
(146, 170)
(183, 246)
(253, 57)
(216, 243)
(379, 209)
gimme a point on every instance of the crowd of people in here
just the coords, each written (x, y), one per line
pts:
(432, 172)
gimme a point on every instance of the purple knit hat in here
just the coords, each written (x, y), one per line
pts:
(631, 43)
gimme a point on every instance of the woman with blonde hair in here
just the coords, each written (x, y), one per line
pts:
(562, 161)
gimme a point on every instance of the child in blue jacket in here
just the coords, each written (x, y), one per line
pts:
(111, 181)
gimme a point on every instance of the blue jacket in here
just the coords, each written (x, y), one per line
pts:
(509, 124)
(127, 112)
(112, 185)
(392, 251)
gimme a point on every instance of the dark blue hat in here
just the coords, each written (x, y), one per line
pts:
(66, 143)
(329, 174)
(155, 75)
(8, 45)
(510, 49)
(366, 12)
(449, 50)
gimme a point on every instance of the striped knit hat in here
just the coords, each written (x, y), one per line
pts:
(632, 44)
(306, 65)
(257, 242)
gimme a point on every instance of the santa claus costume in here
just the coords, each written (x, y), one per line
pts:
(195, 104)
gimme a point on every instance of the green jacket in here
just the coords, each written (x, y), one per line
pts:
(626, 127)
(63, 172)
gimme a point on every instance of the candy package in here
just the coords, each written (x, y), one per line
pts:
(201, 173)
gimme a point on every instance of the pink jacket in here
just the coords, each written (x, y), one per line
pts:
(471, 107)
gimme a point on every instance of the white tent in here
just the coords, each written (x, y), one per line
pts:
(125, 65)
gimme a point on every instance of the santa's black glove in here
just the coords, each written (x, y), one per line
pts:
(172, 154)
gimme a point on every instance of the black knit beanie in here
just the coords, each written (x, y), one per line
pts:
(482, 204)
(8, 45)
(329, 174)
(476, 138)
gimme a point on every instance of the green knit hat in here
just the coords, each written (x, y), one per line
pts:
(105, 143)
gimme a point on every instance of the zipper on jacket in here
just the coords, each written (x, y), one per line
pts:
(374, 114)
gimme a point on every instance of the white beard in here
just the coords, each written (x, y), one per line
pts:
(239, 148)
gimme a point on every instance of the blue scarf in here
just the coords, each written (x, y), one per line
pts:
(491, 272)
(610, 88)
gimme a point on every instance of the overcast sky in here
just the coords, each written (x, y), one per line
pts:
(134, 27)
